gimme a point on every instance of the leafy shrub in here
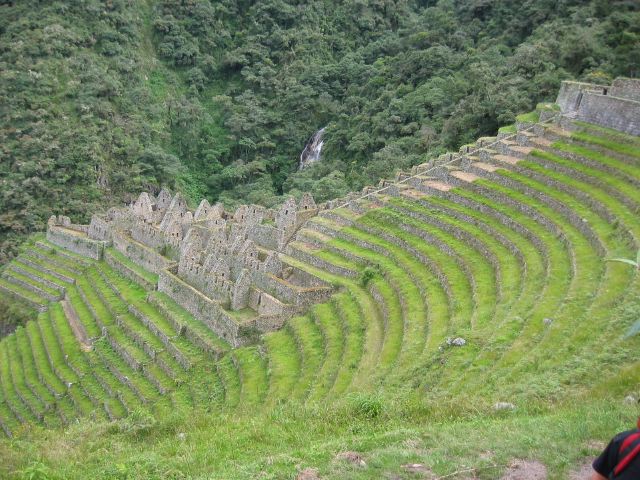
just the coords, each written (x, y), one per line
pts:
(366, 405)
(138, 423)
(368, 274)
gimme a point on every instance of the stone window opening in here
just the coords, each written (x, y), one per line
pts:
(605, 91)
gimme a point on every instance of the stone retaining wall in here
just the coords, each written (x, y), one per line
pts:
(76, 243)
(201, 307)
(612, 112)
(140, 254)
(127, 272)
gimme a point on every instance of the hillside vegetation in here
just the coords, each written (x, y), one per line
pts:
(102, 99)
(475, 321)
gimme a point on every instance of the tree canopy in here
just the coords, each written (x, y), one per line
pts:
(100, 100)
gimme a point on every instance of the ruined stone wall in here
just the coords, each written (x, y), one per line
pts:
(628, 88)
(570, 94)
(612, 112)
(138, 253)
(75, 242)
(264, 235)
(148, 235)
(201, 307)
(99, 229)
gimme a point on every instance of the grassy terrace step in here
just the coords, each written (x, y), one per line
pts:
(309, 341)
(589, 272)
(102, 299)
(27, 296)
(230, 379)
(615, 278)
(482, 275)
(64, 276)
(415, 283)
(534, 280)
(34, 404)
(558, 285)
(385, 295)
(630, 151)
(252, 369)
(67, 256)
(623, 214)
(55, 259)
(136, 388)
(26, 283)
(600, 178)
(326, 318)
(608, 133)
(154, 349)
(353, 325)
(134, 271)
(31, 374)
(625, 170)
(510, 268)
(46, 375)
(188, 326)
(41, 275)
(284, 364)
(182, 350)
(372, 316)
(12, 397)
(60, 364)
(76, 357)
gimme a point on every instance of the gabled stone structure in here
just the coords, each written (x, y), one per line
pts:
(614, 106)
(224, 268)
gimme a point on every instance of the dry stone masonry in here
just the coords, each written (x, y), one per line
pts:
(224, 268)
(230, 270)
(615, 106)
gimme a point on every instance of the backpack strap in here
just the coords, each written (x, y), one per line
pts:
(629, 450)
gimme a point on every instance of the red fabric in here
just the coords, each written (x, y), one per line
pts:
(628, 441)
(627, 460)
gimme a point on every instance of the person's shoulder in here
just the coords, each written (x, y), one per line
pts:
(622, 435)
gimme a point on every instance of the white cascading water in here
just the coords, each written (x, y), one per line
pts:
(312, 150)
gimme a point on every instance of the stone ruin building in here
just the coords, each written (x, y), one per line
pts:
(614, 106)
(231, 270)
(226, 269)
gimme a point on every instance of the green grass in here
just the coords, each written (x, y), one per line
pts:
(508, 129)
(354, 333)
(28, 283)
(597, 175)
(49, 265)
(230, 379)
(614, 164)
(252, 369)
(59, 284)
(329, 324)
(310, 343)
(149, 277)
(284, 364)
(36, 405)
(11, 392)
(630, 150)
(23, 292)
(368, 370)
(610, 133)
(531, 117)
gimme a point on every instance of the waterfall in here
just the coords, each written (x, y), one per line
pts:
(312, 149)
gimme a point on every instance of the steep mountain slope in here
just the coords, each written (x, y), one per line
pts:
(460, 287)
(100, 99)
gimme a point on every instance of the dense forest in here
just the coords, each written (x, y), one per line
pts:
(100, 99)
